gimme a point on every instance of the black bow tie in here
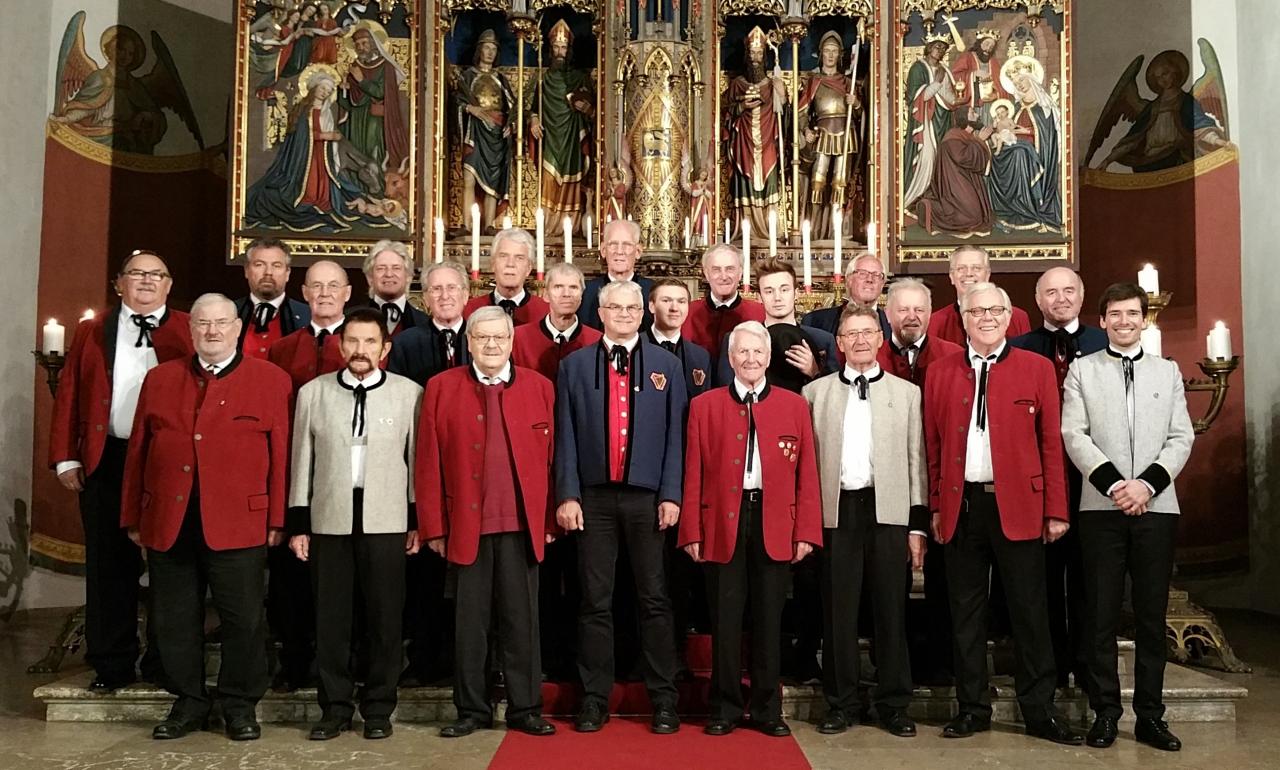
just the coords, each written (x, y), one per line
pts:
(391, 314)
(1065, 343)
(146, 324)
(1127, 363)
(509, 305)
(357, 415)
(620, 358)
(861, 384)
(447, 339)
(263, 312)
(321, 336)
(668, 346)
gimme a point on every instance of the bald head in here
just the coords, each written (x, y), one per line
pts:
(327, 290)
(1059, 295)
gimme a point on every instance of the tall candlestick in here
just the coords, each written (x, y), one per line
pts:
(54, 338)
(540, 234)
(871, 237)
(589, 233)
(773, 232)
(568, 239)
(1152, 341)
(746, 254)
(837, 217)
(1149, 279)
(475, 240)
(506, 222)
(439, 239)
(1219, 342)
(687, 230)
(808, 263)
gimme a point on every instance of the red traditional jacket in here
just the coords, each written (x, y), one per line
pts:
(894, 362)
(536, 349)
(708, 326)
(1023, 422)
(715, 457)
(449, 463)
(947, 324)
(82, 407)
(223, 437)
(300, 357)
(531, 310)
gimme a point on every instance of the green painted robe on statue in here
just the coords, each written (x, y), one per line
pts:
(566, 137)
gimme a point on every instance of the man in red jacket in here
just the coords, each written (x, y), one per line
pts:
(542, 346)
(997, 494)
(511, 259)
(478, 425)
(313, 350)
(204, 493)
(92, 419)
(970, 264)
(723, 308)
(741, 439)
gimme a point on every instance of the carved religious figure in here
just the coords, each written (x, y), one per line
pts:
(976, 72)
(755, 101)
(831, 116)
(562, 123)
(484, 102)
(931, 96)
(370, 97)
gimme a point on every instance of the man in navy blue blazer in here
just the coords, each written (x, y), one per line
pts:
(620, 416)
(669, 303)
(423, 351)
(620, 247)
(1062, 339)
(864, 279)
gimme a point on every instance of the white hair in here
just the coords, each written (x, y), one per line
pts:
(454, 266)
(980, 287)
(613, 287)
(513, 234)
(212, 298)
(565, 267)
(395, 247)
(632, 226)
(750, 327)
(722, 246)
(908, 284)
(489, 313)
(860, 257)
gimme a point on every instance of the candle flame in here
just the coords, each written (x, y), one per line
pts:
(88, 315)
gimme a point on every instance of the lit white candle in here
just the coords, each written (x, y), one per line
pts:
(726, 230)
(871, 237)
(589, 233)
(837, 222)
(773, 232)
(568, 239)
(1152, 341)
(804, 247)
(706, 229)
(687, 231)
(1219, 342)
(746, 254)
(1149, 279)
(540, 236)
(506, 222)
(439, 239)
(88, 314)
(475, 238)
(54, 339)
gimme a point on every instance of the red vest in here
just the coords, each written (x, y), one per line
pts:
(257, 344)
(893, 362)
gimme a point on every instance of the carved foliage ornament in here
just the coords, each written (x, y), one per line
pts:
(747, 7)
(928, 9)
(854, 8)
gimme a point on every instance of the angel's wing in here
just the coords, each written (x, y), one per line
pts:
(1125, 102)
(1210, 90)
(165, 87)
(74, 63)
(686, 171)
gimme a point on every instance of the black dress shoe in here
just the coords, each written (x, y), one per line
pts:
(719, 727)
(1155, 733)
(244, 728)
(833, 723)
(965, 725)
(103, 686)
(1103, 733)
(1055, 729)
(172, 729)
(532, 725)
(775, 728)
(462, 728)
(375, 729)
(898, 723)
(591, 718)
(328, 728)
(665, 721)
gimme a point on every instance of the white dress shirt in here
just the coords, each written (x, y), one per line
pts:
(753, 478)
(715, 301)
(331, 328)
(501, 378)
(856, 468)
(1070, 327)
(131, 366)
(217, 366)
(630, 344)
(1131, 410)
(359, 439)
(556, 333)
(517, 298)
(400, 303)
(255, 300)
(659, 337)
(914, 352)
(977, 460)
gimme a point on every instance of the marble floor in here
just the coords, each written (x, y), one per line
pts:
(29, 743)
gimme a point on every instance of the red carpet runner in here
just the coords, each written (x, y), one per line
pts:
(627, 744)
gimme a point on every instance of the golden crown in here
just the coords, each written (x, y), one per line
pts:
(988, 34)
(933, 37)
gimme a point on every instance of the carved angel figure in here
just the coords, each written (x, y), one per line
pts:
(695, 180)
(1174, 127)
(110, 105)
(618, 186)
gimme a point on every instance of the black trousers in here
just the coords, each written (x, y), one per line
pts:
(860, 546)
(750, 579)
(235, 578)
(1114, 545)
(428, 615)
(937, 627)
(1065, 601)
(614, 516)
(342, 568)
(291, 612)
(113, 565)
(498, 590)
(979, 542)
(558, 600)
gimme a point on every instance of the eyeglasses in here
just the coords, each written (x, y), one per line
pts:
(868, 275)
(487, 339)
(860, 334)
(448, 288)
(153, 275)
(996, 311)
(221, 324)
(623, 309)
(620, 246)
(333, 287)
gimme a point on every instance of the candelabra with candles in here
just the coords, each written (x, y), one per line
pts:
(1193, 632)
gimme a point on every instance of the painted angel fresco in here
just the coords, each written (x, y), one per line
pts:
(1175, 126)
(109, 103)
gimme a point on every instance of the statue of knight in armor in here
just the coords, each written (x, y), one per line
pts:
(485, 102)
(831, 119)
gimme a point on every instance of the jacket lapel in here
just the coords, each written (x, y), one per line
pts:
(110, 328)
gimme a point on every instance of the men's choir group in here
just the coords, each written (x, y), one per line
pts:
(355, 467)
